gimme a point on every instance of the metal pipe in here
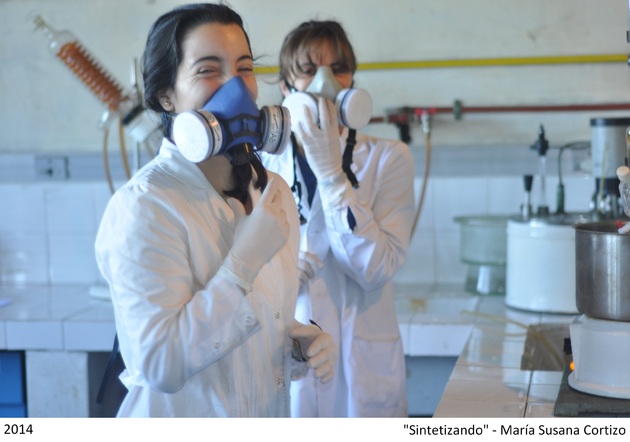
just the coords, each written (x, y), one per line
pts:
(500, 61)
(408, 114)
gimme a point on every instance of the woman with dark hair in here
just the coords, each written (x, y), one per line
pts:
(201, 256)
(356, 200)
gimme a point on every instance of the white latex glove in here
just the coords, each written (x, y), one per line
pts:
(308, 265)
(321, 143)
(257, 236)
(321, 351)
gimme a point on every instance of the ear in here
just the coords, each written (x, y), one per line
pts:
(166, 100)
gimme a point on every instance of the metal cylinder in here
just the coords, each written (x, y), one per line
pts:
(602, 261)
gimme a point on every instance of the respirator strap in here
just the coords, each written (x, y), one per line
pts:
(296, 187)
(289, 86)
(351, 141)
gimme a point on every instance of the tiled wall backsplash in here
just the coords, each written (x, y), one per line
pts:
(47, 228)
(434, 250)
(47, 231)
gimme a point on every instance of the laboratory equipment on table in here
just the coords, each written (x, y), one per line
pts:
(608, 152)
(526, 207)
(541, 263)
(541, 146)
(600, 335)
(483, 250)
(623, 173)
(540, 269)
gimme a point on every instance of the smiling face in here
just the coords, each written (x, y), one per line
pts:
(212, 54)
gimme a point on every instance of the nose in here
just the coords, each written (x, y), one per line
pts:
(227, 76)
(230, 73)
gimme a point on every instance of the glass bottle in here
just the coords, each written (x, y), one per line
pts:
(74, 55)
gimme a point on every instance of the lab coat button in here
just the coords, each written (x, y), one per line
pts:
(277, 315)
(217, 345)
(279, 380)
(249, 320)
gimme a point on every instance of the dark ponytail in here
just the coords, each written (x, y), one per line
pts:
(243, 176)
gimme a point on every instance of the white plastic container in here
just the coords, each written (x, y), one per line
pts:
(541, 265)
(602, 362)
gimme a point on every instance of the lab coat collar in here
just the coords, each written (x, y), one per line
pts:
(188, 173)
(174, 163)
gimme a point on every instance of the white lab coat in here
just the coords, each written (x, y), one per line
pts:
(352, 296)
(192, 343)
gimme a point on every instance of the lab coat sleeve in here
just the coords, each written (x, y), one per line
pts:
(372, 251)
(168, 331)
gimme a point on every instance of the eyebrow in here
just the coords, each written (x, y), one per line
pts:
(310, 64)
(215, 59)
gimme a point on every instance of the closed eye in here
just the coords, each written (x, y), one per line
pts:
(308, 69)
(246, 69)
(338, 68)
(207, 71)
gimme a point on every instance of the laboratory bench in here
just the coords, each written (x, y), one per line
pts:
(463, 350)
(489, 341)
(66, 337)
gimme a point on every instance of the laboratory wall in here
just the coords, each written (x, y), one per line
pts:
(491, 54)
(46, 109)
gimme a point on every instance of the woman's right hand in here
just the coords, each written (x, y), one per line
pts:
(259, 235)
(308, 265)
(320, 140)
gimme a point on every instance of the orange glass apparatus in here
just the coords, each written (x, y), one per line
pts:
(76, 57)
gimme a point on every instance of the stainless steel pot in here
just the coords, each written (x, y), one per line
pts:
(602, 260)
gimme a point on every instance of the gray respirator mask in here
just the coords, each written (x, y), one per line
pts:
(354, 106)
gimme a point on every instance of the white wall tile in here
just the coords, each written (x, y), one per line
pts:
(419, 266)
(101, 195)
(458, 196)
(505, 195)
(70, 208)
(23, 258)
(426, 217)
(23, 208)
(448, 267)
(72, 259)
